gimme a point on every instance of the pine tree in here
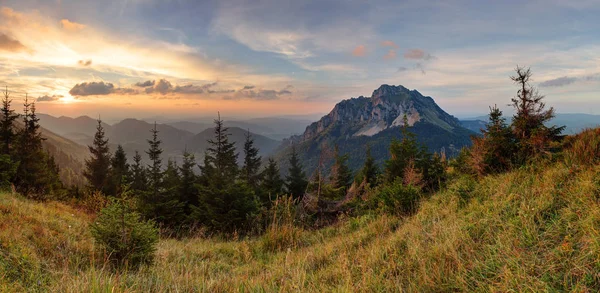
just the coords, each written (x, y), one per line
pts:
(296, 180)
(139, 178)
(188, 193)
(271, 184)
(7, 132)
(97, 167)
(495, 150)
(528, 125)
(171, 179)
(252, 162)
(119, 169)
(369, 171)
(31, 178)
(403, 152)
(160, 203)
(341, 175)
(224, 204)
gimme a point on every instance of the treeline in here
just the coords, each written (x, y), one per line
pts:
(25, 166)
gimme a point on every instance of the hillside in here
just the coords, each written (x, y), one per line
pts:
(533, 229)
(358, 123)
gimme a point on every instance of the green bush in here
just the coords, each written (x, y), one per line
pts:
(396, 198)
(128, 240)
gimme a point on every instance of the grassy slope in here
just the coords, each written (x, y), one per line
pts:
(528, 230)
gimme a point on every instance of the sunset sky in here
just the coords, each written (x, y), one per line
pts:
(181, 58)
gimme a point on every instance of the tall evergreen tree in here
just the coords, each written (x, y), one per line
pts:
(369, 171)
(32, 177)
(403, 152)
(528, 125)
(296, 181)
(188, 193)
(139, 178)
(97, 167)
(171, 179)
(341, 175)
(271, 185)
(495, 150)
(224, 204)
(119, 169)
(252, 162)
(7, 132)
(160, 203)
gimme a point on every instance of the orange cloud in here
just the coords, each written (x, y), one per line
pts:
(389, 43)
(71, 26)
(391, 54)
(9, 44)
(359, 51)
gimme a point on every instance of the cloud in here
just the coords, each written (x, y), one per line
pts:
(391, 54)
(71, 26)
(9, 44)
(99, 89)
(558, 82)
(261, 94)
(85, 62)
(163, 87)
(359, 51)
(402, 69)
(389, 43)
(145, 83)
(47, 98)
(248, 87)
(418, 54)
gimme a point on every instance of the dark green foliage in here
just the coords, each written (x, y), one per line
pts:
(7, 131)
(160, 202)
(32, 178)
(171, 178)
(296, 180)
(341, 175)
(188, 193)
(139, 177)
(224, 204)
(528, 125)
(402, 153)
(369, 171)
(495, 150)
(252, 162)
(97, 167)
(128, 240)
(396, 198)
(8, 169)
(119, 171)
(271, 184)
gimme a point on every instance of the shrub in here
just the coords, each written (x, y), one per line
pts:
(128, 241)
(396, 198)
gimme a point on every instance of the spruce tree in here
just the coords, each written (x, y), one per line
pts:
(495, 150)
(188, 192)
(402, 152)
(369, 171)
(252, 162)
(119, 169)
(7, 132)
(341, 175)
(154, 168)
(296, 180)
(139, 178)
(171, 179)
(528, 124)
(97, 167)
(224, 204)
(271, 185)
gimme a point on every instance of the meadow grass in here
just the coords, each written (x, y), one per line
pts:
(529, 230)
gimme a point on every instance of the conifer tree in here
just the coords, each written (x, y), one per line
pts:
(171, 179)
(224, 204)
(97, 167)
(369, 171)
(32, 178)
(7, 132)
(341, 175)
(188, 192)
(139, 179)
(159, 203)
(402, 153)
(495, 150)
(251, 168)
(119, 171)
(296, 181)
(528, 124)
(271, 184)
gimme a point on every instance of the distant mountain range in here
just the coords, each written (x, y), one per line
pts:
(375, 121)
(574, 122)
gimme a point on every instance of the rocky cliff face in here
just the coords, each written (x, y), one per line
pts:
(384, 109)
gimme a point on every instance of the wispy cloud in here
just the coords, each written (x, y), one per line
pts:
(71, 26)
(389, 43)
(9, 44)
(359, 51)
(418, 54)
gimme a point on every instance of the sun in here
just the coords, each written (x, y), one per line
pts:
(67, 99)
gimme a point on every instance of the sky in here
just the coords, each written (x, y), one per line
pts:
(185, 58)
